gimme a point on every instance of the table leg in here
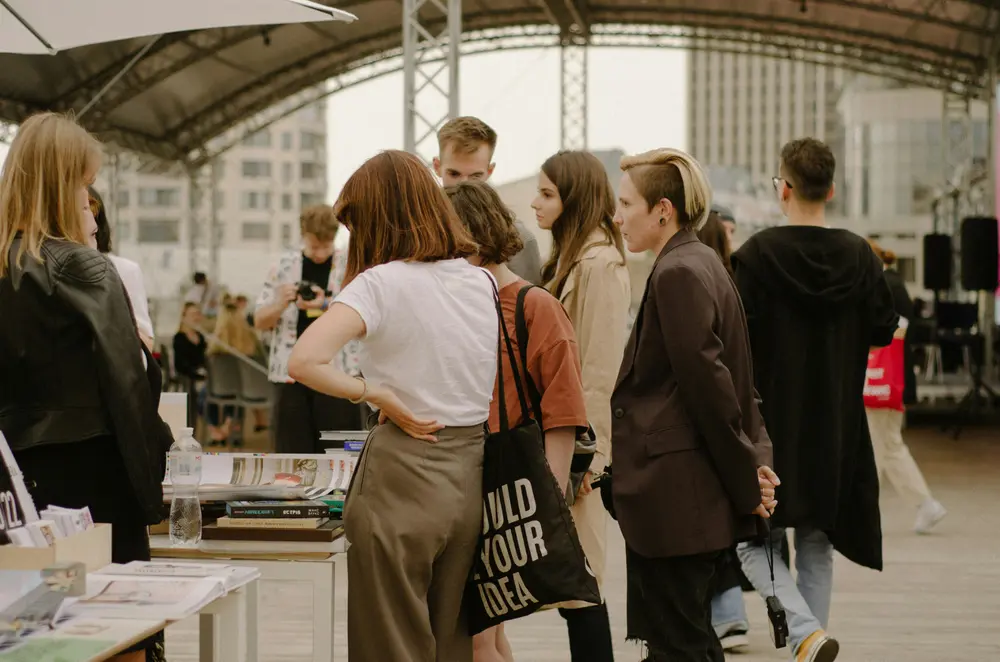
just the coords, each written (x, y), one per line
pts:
(252, 624)
(232, 643)
(323, 612)
(207, 638)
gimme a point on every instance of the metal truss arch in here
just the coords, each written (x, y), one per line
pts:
(549, 36)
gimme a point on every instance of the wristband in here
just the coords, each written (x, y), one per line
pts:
(364, 393)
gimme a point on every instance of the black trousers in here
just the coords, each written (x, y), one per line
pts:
(670, 606)
(301, 414)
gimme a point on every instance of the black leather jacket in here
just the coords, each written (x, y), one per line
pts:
(71, 364)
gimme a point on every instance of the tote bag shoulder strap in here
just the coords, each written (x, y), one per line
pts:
(503, 342)
(521, 329)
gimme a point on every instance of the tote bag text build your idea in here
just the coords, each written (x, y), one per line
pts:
(529, 554)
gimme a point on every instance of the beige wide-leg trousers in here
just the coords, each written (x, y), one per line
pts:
(413, 517)
(892, 456)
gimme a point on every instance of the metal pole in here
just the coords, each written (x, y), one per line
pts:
(409, 75)
(117, 77)
(454, 40)
(213, 238)
(192, 220)
(430, 72)
(115, 193)
(573, 89)
(990, 298)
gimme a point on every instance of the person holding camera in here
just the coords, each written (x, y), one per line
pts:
(299, 288)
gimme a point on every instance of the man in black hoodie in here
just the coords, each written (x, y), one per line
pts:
(816, 300)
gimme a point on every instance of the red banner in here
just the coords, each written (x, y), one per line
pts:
(884, 380)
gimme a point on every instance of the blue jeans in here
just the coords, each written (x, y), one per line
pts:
(807, 598)
(729, 612)
(211, 412)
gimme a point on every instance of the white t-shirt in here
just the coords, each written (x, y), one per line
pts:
(135, 286)
(431, 336)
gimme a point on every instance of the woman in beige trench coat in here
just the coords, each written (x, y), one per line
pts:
(586, 271)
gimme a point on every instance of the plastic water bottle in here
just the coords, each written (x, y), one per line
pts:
(185, 476)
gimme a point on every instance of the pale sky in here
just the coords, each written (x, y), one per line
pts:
(637, 101)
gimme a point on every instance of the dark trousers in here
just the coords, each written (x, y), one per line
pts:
(670, 606)
(301, 414)
(589, 634)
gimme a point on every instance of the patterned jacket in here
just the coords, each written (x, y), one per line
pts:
(288, 270)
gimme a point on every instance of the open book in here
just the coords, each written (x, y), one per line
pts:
(158, 590)
(251, 476)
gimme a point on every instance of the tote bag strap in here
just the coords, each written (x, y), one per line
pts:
(504, 337)
(521, 329)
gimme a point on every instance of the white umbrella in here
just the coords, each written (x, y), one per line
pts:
(48, 26)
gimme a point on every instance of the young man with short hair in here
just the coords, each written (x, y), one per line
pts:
(816, 300)
(465, 153)
(298, 290)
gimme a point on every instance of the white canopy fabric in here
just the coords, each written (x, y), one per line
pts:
(31, 27)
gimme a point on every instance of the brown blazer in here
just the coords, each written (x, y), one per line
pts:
(687, 434)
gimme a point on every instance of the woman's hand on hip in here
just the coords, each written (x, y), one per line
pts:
(391, 408)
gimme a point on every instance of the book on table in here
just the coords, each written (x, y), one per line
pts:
(273, 510)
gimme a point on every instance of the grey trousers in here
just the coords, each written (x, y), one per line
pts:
(413, 517)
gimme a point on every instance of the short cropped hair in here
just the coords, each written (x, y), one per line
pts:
(808, 165)
(488, 219)
(467, 134)
(674, 175)
(320, 221)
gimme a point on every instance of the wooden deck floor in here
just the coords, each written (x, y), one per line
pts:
(938, 599)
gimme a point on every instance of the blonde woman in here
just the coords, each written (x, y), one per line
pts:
(233, 332)
(586, 272)
(77, 405)
(691, 452)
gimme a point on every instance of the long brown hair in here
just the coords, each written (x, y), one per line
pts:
(588, 204)
(713, 234)
(396, 211)
(48, 163)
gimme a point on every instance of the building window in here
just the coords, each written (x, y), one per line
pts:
(256, 200)
(159, 197)
(159, 231)
(309, 170)
(311, 140)
(286, 140)
(286, 201)
(255, 169)
(259, 139)
(286, 234)
(286, 173)
(123, 231)
(220, 199)
(310, 199)
(256, 231)
(123, 198)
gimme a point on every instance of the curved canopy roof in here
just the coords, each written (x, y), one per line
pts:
(192, 87)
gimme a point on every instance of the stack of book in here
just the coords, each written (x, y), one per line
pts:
(286, 521)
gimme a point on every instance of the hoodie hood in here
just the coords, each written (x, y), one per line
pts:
(811, 266)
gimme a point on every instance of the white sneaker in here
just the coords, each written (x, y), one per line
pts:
(931, 512)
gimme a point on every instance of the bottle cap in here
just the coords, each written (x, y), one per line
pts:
(187, 432)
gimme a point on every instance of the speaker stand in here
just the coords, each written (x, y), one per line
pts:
(971, 403)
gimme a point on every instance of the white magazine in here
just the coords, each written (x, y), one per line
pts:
(139, 597)
(231, 576)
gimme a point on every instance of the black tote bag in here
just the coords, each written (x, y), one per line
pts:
(529, 553)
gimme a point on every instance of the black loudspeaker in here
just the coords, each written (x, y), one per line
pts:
(937, 262)
(979, 253)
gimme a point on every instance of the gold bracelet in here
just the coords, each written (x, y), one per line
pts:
(361, 398)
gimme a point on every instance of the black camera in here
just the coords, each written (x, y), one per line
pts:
(777, 621)
(305, 291)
